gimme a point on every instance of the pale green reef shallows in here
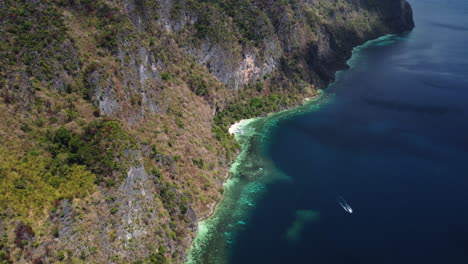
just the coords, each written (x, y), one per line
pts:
(251, 173)
(303, 217)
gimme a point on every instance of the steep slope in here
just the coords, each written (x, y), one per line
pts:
(114, 113)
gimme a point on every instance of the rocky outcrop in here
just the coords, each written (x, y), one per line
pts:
(102, 92)
(125, 224)
(323, 32)
(303, 41)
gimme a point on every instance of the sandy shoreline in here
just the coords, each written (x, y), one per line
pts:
(238, 129)
(313, 98)
(235, 129)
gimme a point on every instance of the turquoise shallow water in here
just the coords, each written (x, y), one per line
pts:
(251, 174)
(389, 136)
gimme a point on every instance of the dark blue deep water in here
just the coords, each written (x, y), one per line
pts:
(392, 141)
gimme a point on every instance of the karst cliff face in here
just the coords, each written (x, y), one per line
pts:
(114, 113)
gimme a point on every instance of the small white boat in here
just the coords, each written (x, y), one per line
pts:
(344, 204)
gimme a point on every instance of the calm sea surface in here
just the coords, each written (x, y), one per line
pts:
(389, 139)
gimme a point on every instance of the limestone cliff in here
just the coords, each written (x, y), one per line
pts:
(114, 113)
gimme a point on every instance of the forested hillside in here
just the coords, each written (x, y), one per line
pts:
(114, 113)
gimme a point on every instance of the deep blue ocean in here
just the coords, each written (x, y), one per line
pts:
(390, 138)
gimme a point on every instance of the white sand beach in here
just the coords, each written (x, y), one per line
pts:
(237, 127)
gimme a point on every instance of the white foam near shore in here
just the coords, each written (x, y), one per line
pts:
(237, 128)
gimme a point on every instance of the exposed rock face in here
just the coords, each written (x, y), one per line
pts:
(233, 71)
(165, 71)
(297, 29)
(136, 199)
(103, 93)
(312, 37)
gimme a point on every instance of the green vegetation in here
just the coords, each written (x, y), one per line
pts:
(256, 106)
(101, 148)
(156, 172)
(3, 257)
(55, 53)
(199, 163)
(107, 20)
(165, 76)
(61, 255)
(148, 8)
(159, 258)
(31, 184)
(65, 167)
(174, 202)
(250, 22)
(198, 85)
(4, 250)
(33, 38)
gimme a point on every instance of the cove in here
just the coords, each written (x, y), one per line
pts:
(389, 136)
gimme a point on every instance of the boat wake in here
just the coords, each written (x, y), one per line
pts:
(344, 204)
